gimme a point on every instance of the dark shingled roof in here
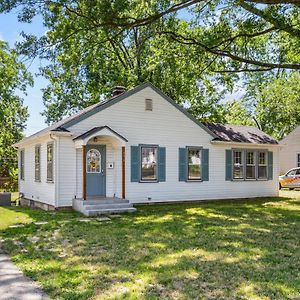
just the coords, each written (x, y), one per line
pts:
(239, 134)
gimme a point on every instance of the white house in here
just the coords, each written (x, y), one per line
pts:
(141, 147)
(289, 155)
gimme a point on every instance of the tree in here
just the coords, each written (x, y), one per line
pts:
(278, 105)
(188, 48)
(13, 79)
(236, 112)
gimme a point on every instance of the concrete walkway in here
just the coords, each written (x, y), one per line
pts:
(14, 285)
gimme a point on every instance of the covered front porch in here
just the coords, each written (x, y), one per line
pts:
(100, 159)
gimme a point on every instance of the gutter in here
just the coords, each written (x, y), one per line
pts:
(245, 144)
(37, 137)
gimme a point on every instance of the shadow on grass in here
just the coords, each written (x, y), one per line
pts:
(217, 250)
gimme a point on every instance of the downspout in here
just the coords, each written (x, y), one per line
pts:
(56, 183)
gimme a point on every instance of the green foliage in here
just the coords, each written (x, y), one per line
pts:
(13, 79)
(192, 50)
(236, 112)
(278, 105)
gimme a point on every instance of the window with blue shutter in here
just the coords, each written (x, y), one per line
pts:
(161, 164)
(246, 164)
(135, 163)
(148, 163)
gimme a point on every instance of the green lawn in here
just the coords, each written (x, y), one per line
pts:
(219, 250)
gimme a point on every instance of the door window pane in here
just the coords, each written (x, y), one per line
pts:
(194, 164)
(93, 161)
(238, 166)
(250, 168)
(149, 163)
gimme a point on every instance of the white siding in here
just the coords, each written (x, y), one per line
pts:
(39, 191)
(167, 127)
(290, 149)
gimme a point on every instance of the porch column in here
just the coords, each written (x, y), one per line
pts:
(123, 172)
(83, 172)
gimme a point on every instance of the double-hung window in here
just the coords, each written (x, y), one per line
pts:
(149, 163)
(37, 163)
(250, 164)
(22, 163)
(238, 164)
(194, 163)
(262, 164)
(298, 160)
(50, 162)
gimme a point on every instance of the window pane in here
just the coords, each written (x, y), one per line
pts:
(238, 167)
(50, 162)
(149, 163)
(93, 161)
(262, 164)
(250, 168)
(262, 172)
(37, 163)
(298, 160)
(194, 164)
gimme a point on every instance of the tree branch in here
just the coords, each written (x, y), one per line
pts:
(191, 41)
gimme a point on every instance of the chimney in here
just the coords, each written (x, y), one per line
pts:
(117, 90)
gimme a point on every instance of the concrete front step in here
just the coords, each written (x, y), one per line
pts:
(104, 206)
(105, 201)
(96, 207)
(96, 212)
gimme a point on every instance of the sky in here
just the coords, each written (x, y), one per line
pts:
(10, 30)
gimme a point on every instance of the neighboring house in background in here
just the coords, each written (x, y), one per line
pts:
(289, 155)
(141, 146)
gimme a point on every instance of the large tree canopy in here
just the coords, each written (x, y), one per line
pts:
(194, 50)
(13, 79)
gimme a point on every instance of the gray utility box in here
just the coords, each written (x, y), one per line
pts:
(5, 199)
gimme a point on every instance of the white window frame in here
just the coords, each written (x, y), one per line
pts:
(141, 163)
(50, 179)
(244, 160)
(37, 163)
(188, 165)
(242, 164)
(262, 165)
(255, 164)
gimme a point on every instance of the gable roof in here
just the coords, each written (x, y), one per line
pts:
(97, 129)
(65, 123)
(239, 134)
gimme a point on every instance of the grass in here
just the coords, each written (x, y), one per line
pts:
(218, 250)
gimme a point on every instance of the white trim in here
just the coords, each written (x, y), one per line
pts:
(246, 144)
(100, 133)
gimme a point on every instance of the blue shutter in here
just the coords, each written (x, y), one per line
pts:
(205, 164)
(161, 164)
(135, 163)
(270, 165)
(182, 164)
(228, 165)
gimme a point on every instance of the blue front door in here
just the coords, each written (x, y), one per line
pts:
(95, 170)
